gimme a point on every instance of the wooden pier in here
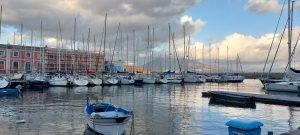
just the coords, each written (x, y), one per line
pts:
(262, 98)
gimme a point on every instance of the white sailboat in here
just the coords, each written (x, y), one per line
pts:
(58, 80)
(289, 85)
(188, 77)
(149, 78)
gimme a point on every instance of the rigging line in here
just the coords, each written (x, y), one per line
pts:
(277, 49)
(273, 40)
(176, 54)
(112, 58)
(295, 46)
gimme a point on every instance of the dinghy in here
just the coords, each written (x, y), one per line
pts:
(106, 118)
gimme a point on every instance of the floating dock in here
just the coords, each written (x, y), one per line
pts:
(262, 98)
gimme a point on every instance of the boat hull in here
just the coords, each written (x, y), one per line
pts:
(174, 80)
(161, 81)
(127, 81)
(107, 128)
(148, 81)
(95, 82)
(283, 87)
(58, 82)
(6, 92)
(80, 82)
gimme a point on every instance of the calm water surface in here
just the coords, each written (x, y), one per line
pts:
(159, 110)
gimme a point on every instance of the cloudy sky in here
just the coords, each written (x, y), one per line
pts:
(245, 26)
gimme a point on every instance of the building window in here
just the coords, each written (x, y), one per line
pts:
(2, 53)
(16, 54)
(28, 54)
(2, 65)
(27, 66)
(16, 67)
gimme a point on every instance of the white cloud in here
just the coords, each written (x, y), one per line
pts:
(262, 6)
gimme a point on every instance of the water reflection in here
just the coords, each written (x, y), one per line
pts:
(158, 109)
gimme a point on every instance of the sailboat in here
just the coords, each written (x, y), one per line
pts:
(107, 79)
(58, 79)
(289, 85)
(236, 78)
(188, 76)
(172, 78)
(149, 78)
(39, 80)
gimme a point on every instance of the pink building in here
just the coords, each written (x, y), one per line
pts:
(17, 59)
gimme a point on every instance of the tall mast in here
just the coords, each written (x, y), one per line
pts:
(23, 47)
(152, 52)
(209, 59)
(218, 60)
(104, 41)
(1, 22)
(88, 45)
(170, 47)
(74, 43)
(227, 62)
(195, 59)
(148, 47)
(94, 52)
(61, 43)
(203, 59)
(127, 50)
(289, 34)
(184, 52)
(32, 59)
(133, 40)
(43, 49)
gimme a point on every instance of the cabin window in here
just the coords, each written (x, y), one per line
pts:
(16, 67)
(27, 66)
(16, 54)
(2, 53)
(2, 65)
(28, 54)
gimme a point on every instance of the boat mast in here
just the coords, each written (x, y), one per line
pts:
(43, 49)
(184, 52)
(170, 55)
(127, 50)
(202, 59)
(88, 50)
(148, 47)
(289, 34)
(61, 43)
(227, 61)
(218, 60)
(104, 43)
(31, 54)
(134, 51)
(74, 43)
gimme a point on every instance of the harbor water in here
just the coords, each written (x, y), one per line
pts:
(164, 109)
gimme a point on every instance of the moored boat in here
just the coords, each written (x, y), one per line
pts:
(106, 118)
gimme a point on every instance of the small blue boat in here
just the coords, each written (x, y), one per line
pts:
(106, 118)
(6, 92)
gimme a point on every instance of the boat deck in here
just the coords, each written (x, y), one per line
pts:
(262, 98)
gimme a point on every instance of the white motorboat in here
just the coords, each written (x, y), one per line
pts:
(106, 118)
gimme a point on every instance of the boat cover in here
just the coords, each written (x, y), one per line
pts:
(244, 124)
